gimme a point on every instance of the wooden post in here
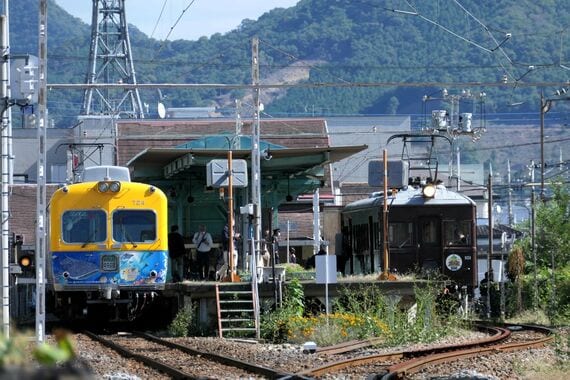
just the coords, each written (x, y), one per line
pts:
(233, 277)
(386, 272)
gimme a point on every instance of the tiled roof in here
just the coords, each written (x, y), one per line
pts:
(136, 135)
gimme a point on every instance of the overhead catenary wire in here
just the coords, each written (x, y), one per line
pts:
(488, 50)
(174, 25)
(159, 18)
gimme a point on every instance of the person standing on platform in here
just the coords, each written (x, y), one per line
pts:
(176, 252)
(203, 241)
(292, 256)
(275, 244)
(226, 245)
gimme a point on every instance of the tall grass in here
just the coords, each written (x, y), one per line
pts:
(360, 312)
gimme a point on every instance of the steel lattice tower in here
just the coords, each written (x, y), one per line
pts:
(111, 62)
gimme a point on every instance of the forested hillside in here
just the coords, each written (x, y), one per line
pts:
(341, 41)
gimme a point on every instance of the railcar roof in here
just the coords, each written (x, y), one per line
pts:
(411, 196)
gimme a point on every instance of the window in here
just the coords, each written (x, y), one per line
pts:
(429, 233)
(457, 232)
(134, 226)
(400, 234)
(360, 238)
(84, 226)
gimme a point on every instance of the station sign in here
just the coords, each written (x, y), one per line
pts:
(217, 174)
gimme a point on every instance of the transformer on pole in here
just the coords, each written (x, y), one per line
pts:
(111, 61)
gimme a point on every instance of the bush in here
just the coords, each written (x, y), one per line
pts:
(334, 328)
(275, 325)
(182, 322)
(558, 307)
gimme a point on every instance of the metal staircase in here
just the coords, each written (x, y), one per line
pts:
(237, 311)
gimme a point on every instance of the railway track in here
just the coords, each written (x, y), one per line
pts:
(183, 362)
(402, 363)
(519, 339)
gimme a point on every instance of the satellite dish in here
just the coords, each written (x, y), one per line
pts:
(161, 110)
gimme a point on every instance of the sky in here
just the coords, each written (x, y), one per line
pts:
(202, 18)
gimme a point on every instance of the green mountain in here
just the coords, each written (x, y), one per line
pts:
(333, 41)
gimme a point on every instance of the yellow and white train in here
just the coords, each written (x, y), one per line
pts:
(108, 246)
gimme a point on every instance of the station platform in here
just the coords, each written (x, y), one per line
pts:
(202, 294)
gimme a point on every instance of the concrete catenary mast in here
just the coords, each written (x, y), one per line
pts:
(111, 61)
(41, 200)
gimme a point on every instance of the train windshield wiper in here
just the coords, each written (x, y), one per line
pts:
(90, 239)
(129, 239)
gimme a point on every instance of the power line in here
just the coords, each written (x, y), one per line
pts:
(127, 86)
(177, 61)
(158, 19)
(173, 26)
(516, 145)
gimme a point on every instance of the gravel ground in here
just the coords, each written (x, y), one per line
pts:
(290, 358)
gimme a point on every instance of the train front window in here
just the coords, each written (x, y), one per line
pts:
(429, 231)
(84, 226)
(134, 226)
(400, 234)
(457, 233)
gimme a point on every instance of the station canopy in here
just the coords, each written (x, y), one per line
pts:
(192, 157)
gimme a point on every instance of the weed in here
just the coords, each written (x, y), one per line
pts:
(182, 322)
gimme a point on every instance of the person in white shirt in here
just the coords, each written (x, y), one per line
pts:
(203, 241)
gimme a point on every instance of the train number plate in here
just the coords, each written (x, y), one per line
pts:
(109, 263)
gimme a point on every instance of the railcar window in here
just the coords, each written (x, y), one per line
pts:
(457, 232)
(376, 236)
(400, 234)
(361, 239)
(132, 226)
(430, 232)
(84, 226)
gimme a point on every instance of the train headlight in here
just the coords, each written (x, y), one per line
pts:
(103, 187)
(115, 187)
(428, 191)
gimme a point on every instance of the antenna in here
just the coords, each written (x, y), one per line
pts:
(161, 110)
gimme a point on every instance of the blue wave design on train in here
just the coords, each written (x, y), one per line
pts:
(124, 267)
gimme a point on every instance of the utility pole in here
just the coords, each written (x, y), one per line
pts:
(544, 108)
(255, 154)
(490, 250)
(5, 212)
(41, 222)
(385, 243)
(239, 124)
(533, 247)
(510, 204)
(458, 169)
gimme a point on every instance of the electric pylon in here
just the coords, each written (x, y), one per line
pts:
(111, 62)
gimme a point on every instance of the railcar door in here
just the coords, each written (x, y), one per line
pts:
(429, 243)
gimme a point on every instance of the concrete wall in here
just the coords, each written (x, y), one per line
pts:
(25, 148)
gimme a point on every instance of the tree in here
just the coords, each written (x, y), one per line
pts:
(552, 253)
(515, 265)
(553, 226)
